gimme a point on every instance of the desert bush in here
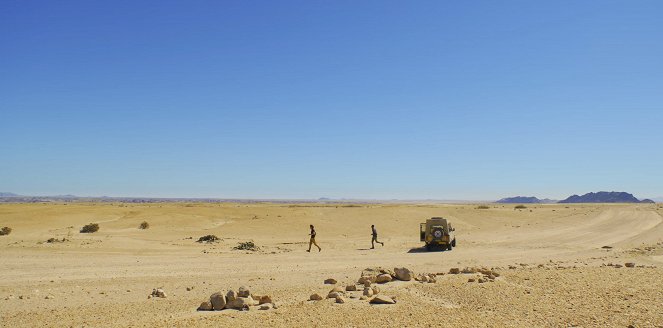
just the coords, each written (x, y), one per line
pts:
(483, 207)
(90, 228)
(55, 240)
(247, 246)
(208, 239)
(520, 207)
(5, 231)
(144, 225)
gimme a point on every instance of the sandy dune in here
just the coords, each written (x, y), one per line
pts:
(103, 279)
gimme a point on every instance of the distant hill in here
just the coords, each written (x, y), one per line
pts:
(8, 194)
(602, 197)
(520, 200)
(649, 201)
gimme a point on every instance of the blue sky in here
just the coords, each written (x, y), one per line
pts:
(472, 100)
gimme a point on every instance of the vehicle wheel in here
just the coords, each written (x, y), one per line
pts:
(428, 248)
(449, 247)
(453, 243)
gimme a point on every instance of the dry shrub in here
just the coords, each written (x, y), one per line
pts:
(208, 239)
(5, 231)
(247, 246)
(90, 228)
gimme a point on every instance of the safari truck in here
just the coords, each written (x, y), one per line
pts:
(437, 232)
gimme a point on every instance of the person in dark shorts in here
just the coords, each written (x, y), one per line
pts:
(375, 237)
(312, 242)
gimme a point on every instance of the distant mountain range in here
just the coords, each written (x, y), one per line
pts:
(8, 194)
(592, 197)
(525, 200)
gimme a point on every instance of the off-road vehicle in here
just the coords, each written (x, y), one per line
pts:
(437, 232)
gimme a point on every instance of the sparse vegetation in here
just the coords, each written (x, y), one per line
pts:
(520, 207)
(5, 231)
(55, 240)
(90, 228)
(144, 225)
(483, 207)
(208, 239)
(247, 246)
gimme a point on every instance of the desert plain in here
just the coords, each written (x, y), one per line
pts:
(560, 265)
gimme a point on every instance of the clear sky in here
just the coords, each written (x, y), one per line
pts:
(472, 100)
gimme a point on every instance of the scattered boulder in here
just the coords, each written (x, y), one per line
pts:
(368, 292)
(315, 297)
(383, 278)
(340, 299)
(333, 295)
(363, 297)
(244, 292)
(403, 274)
(217, 301)
(629, 264)
(351, 288)
(231, 296)
(207, 306)
(454, 271)
(471, 280)
(367, 284)
(376, 290)
(337, 289)
(382, 299)
(240, 303)
(330, 281)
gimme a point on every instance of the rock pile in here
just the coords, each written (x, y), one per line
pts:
(242, 300)
(364, 288)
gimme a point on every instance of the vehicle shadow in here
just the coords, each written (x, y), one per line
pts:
(423, 250)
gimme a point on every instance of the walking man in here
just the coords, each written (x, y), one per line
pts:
(312, 242)
(375, 237)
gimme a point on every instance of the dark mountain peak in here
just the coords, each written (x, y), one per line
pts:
(602, 197)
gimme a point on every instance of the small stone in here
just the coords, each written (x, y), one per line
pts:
(315, 297)
(337, 289)
(454, 271)
(382, 299)
(351, 288)
(231, 296)
(629, 264)
(376, 290)
(363, 297)
(368, 292)
(265, 299)
(403, 274)
(480, 280)
(383, 278)
(244, 292)
(367, 284)
(340, 299)
(206, 306)
(266, 306)
(333, 295)
(618, 266)
(471, 280)
(330, 281)
(49, 297)
(188, 289)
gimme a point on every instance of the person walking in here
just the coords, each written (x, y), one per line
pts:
(312, 242)
(375, 237)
